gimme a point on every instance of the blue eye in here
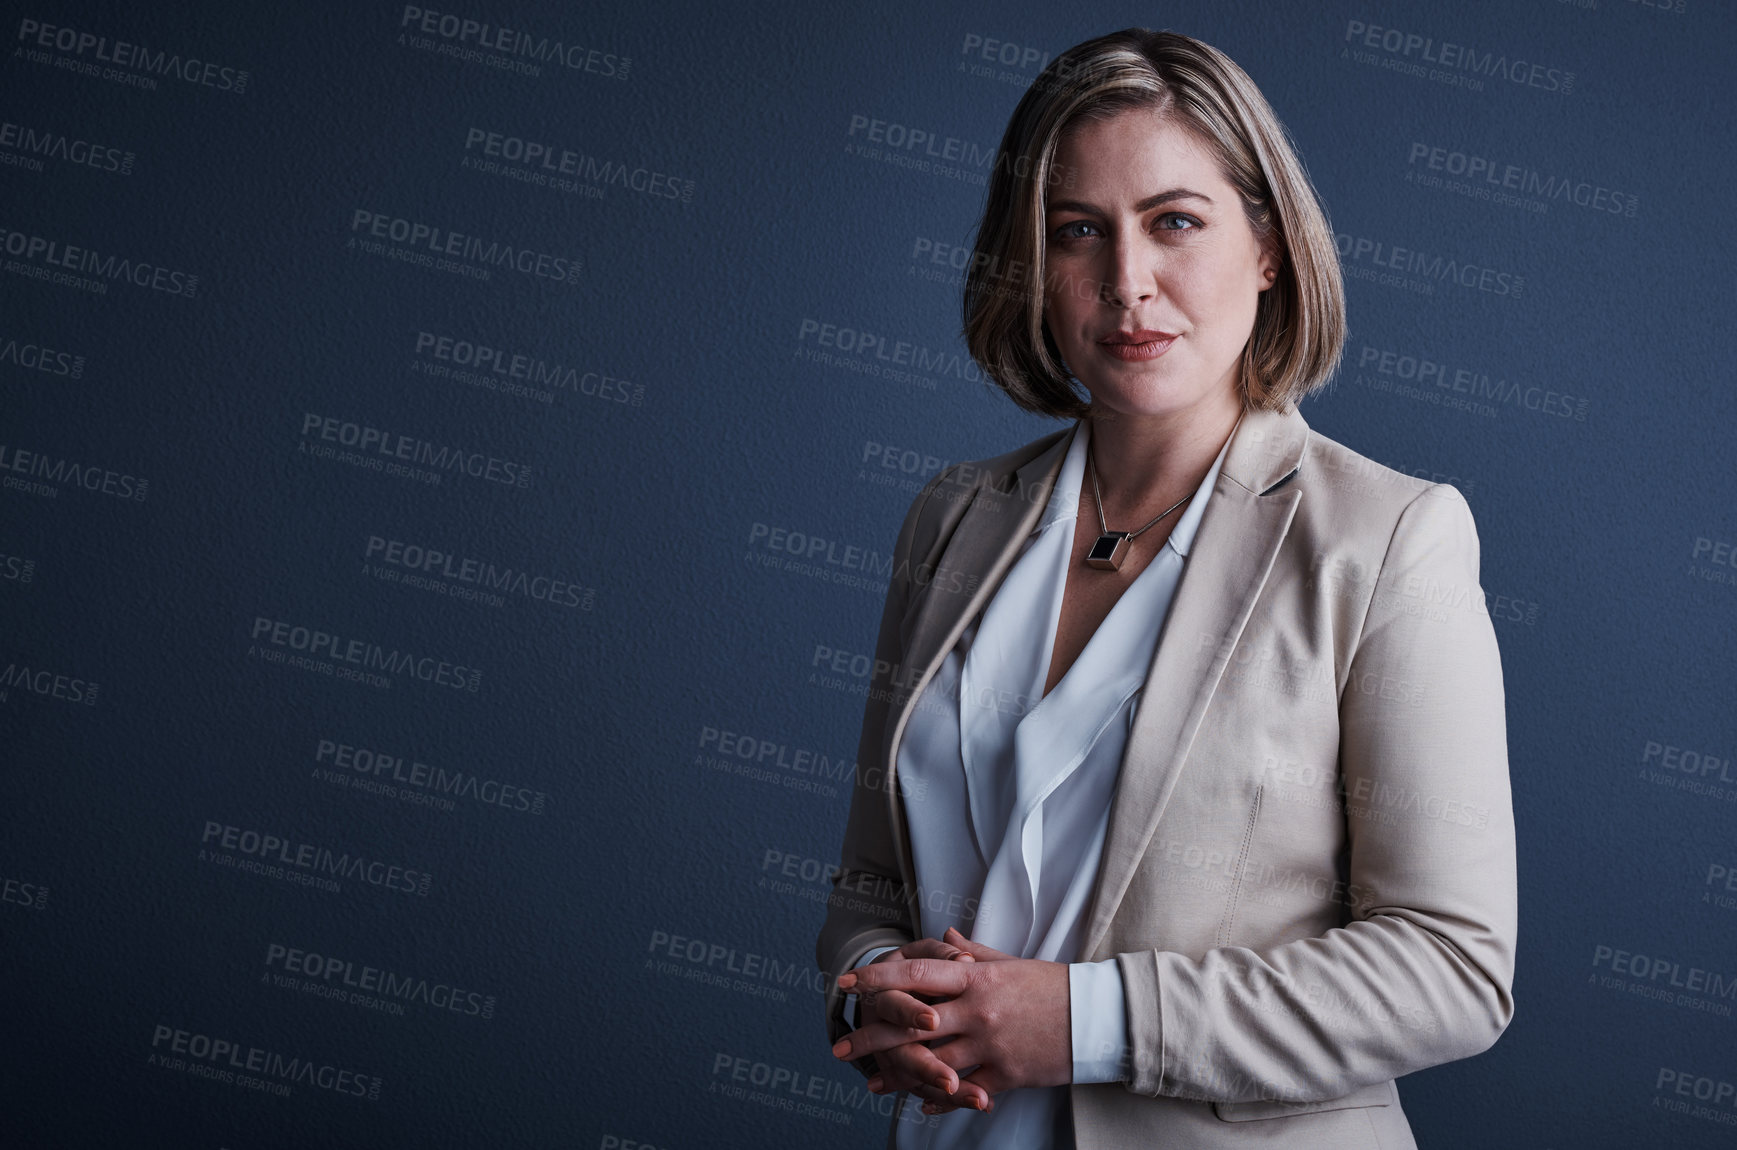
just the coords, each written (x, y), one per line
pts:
(1175, 217)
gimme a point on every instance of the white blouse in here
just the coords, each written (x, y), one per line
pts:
(1018, 785)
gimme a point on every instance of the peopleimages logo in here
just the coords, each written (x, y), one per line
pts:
(873, 354)
(248, 845)
(252, 1067)
(26, 146)
(426, 241)
(465, 34)
(46, 684)
(34, 36)
(314, 644)
(1429, 269)
(327, 976)
(537, 161)
(1456, 59)
(48, 470)
(377, 766)
(51, 253)
(502, 369)
(51, 470)
(35, 357)
(478, 573)
(1446, 376)
(1488, 176)
(373, 446)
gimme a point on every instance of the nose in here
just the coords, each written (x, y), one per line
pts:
(1131, 276)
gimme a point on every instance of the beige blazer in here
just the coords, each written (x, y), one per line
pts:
(1308, 881)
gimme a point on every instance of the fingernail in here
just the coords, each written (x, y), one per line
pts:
(945, 1084)
(842, 1048)
(931, 1108)
(927, 1021)
(846, 981)
(875, 1084)
(965, 956)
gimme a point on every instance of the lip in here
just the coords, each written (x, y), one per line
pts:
(1141, 344)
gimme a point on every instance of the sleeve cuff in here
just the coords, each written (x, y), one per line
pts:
(870, 956)
(1098, 1020)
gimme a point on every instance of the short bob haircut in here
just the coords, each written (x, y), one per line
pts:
(1299, 326)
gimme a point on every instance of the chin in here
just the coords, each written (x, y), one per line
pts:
(1158, 400)
(1156, 397)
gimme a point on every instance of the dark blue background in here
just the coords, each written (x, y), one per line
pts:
(1589, 524)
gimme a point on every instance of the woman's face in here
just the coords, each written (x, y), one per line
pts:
(1152, 272)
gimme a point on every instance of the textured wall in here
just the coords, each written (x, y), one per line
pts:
(441, 465)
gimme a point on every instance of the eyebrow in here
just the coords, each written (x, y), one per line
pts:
(1144, 205)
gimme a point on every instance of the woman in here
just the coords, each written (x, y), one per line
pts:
(1215, 837)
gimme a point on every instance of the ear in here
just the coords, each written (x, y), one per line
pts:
(1270, 261)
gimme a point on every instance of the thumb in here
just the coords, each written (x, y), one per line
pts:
(976, 950)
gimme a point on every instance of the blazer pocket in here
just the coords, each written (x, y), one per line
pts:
(1248, 830)
(1378, 1094)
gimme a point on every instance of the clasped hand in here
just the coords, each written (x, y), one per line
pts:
(956, 1022)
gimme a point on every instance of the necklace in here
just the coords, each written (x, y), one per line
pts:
(1113, 547)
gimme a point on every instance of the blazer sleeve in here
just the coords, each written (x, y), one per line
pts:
(869, 907)
(1422, 972)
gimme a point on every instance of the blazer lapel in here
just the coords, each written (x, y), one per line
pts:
(1227, 566)
(1002, 513)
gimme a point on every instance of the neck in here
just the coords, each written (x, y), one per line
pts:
(1143, 459)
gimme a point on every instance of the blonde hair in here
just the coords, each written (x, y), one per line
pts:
(1299, 326)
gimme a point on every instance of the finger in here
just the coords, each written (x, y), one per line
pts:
(965, 1093)
(974, 1088)
(913, 1067)
(934, 1102)
(986, 1080)
(869, 1005)
(938, 1098)
(977, 950)
(963, 1057)
(932, 948)
(968, 1097)
(876, 1037)
(900, 1009)
(919, 976)
(971, 1095)
(960, 1053)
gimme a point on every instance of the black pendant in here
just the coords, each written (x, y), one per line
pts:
(1109, 551)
